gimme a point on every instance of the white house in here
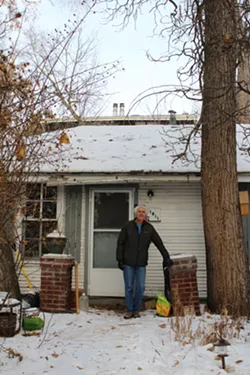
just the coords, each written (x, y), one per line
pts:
(92, 189)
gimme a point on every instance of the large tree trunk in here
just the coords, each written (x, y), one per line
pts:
(9, 196)
(243, 98)
(8, 275)
(227, 263)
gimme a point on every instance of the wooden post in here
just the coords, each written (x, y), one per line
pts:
(244, 203)
(77, 291)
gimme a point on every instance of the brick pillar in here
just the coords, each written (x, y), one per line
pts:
(56, 275)
(183, 285)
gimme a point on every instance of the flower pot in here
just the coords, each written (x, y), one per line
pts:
(55, 243)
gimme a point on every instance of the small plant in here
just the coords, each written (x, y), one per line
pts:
(221, 326)
(12, 353)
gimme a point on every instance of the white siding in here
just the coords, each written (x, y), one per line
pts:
(181, 228)
(32, 268)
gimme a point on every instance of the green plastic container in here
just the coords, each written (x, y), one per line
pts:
(32, 323)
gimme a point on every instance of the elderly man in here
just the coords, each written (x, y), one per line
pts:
(132, 256)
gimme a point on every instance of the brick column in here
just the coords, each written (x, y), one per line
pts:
(183, 285)
(56, 275)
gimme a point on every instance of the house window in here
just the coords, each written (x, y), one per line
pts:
(40, 217)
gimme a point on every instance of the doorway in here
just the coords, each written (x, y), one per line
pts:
(109, 211)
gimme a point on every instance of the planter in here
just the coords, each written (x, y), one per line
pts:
(55, 243)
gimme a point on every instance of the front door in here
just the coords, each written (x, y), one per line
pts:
(110, 210)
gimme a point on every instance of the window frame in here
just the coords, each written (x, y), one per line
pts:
(41, 220)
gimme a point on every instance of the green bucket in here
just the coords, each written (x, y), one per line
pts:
(32, 323)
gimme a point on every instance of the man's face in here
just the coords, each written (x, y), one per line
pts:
(141, 214)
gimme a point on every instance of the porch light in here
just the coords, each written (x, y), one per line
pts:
(221, 348)
(150, 193)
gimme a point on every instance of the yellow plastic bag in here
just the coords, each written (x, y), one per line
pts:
(163, 306)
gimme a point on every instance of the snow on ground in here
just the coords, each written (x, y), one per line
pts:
(103, 343)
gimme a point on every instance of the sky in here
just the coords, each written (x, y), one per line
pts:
(128, 45)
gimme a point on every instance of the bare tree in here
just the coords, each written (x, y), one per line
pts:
(68, 62)
(209, 34)
(29, 92)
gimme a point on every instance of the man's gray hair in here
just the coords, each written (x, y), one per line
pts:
(137, 208)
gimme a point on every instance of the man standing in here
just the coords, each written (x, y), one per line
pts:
(132, 256)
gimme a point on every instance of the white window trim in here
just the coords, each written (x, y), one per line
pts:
(59, 216)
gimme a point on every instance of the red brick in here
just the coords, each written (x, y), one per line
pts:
(47, 273)
(46, 260)
(183, 284)
(57, 266)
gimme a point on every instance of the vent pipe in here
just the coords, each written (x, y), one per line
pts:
(115, 109)
(172, 117)
(122, 110)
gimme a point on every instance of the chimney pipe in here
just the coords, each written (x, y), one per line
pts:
(115, 109)
(172, 118)
(122, 110)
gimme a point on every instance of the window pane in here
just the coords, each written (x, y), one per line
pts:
(111, 210)
(49, 192)
(48, 227)
(35, 231)
(31, 248)
(49, 210)
(105, 250)
(31, 229)
(33, 191)
(32, 210)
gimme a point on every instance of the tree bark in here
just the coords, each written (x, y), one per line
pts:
(8, 273)
(9, 197)
(227, 263)
(243, 98)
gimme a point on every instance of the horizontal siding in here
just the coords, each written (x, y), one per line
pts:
(33, 270)
(181, 228)
(32, 267)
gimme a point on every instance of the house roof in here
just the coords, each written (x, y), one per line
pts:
(150, 148)
(59, 124)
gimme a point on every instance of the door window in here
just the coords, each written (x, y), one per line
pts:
(111, 212)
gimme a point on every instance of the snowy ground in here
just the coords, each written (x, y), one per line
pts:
(103, 343)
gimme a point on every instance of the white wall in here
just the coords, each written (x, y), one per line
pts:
(181, 228)
(32, 266)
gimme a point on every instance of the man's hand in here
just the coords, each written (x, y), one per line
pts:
(120, 265)
(167, 263)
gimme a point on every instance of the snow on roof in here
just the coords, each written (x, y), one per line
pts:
(150, 148)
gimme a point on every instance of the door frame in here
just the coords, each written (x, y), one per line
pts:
(121, 189)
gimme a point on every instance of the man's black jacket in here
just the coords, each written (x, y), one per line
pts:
(132, 246)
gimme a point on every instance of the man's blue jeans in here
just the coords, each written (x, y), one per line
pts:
(131, 274)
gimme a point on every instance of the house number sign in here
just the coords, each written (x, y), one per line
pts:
(154, 214)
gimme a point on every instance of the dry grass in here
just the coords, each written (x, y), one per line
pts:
(187, 329)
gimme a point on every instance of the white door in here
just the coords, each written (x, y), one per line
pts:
(110, 210)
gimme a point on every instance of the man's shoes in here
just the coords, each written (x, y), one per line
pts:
(128, 315)
(136, 315)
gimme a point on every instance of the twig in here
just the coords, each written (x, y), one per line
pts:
(41, 343)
